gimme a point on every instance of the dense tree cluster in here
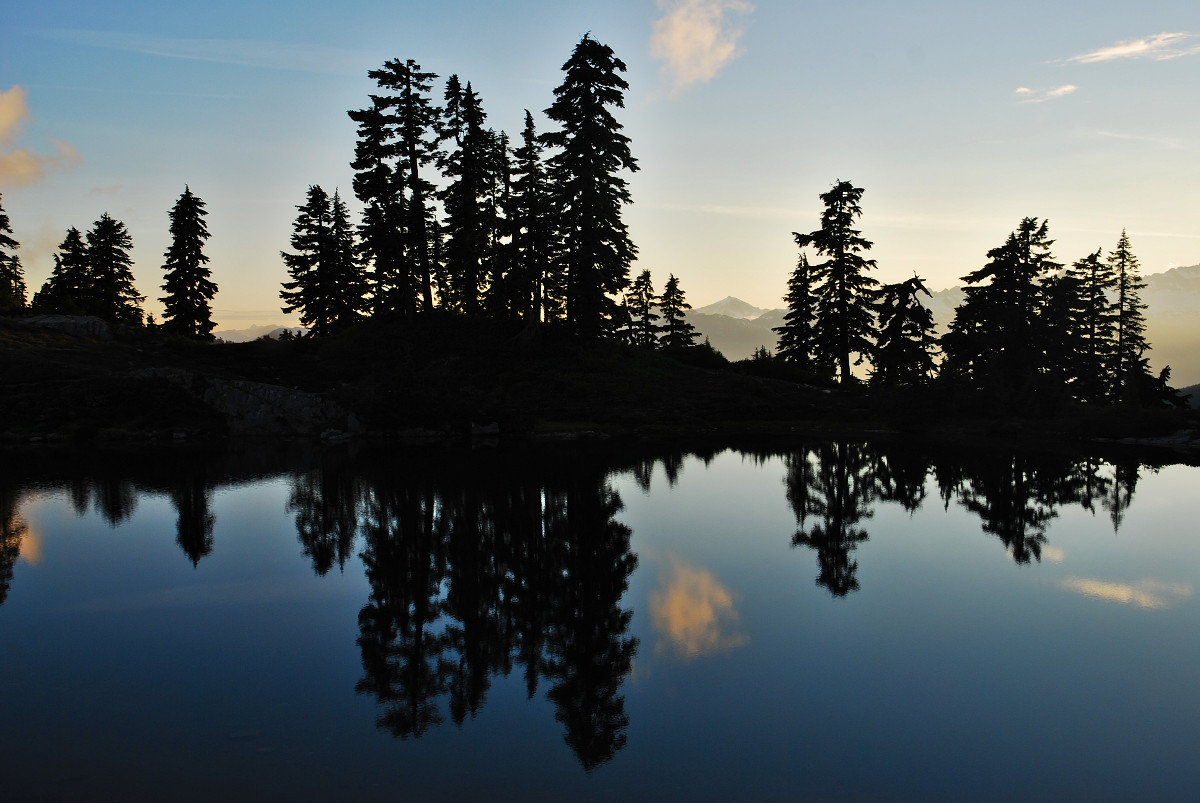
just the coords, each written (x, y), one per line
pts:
(454, 218)
(93, 275)
(1026, 325)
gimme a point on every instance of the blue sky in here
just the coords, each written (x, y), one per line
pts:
(957, 118)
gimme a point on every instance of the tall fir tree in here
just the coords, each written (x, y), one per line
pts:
(845, 318)
(997, 339)
(677, 332)
(68, 290)
(904, 353)
(1096, 284)
(189, 286)
(466, 228)
(327, 287)
(1127, 363)
(537, 287)
(414, 121)
(379, 185)
(12, 277)
(797, 336)
(113, 296)
(588, 190)
(307, 292)
(641, 302)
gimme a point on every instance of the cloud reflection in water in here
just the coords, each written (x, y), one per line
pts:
(694, 613)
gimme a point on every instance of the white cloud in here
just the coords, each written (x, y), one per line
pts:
(696, 39)
(1162, 47)
(21, 166)
(1027, 95)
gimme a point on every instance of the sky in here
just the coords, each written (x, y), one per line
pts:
(956, 118)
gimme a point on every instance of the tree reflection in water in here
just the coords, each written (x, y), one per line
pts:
(477, 570)
(484, 563)
(833, 487)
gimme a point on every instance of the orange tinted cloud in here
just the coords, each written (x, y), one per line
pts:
(694, 612)
(19, 166)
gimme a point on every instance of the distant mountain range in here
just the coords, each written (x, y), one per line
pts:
(736, 328)
(272, 331)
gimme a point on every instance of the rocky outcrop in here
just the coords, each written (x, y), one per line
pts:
(74, 325)
(257, 408)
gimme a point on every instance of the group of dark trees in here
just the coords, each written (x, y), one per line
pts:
(93, 275)
(1025, 325)
(456, 218)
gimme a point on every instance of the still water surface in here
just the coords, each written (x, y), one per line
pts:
(832, 621)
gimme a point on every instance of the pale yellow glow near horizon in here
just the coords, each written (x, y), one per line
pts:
(694, 612)
(1148, 594)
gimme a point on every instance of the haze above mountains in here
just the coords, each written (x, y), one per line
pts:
(736, 328)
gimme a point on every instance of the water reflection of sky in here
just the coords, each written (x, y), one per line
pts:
(751, 679)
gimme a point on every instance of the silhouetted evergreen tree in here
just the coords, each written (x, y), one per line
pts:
(1064, 330)
(1095, 320)
(904, 351)
(466, 227)
(588, 192)
(12, 277)
(641, 302)
(379, 185)
(68, 290)
(677, 333)
(188, 286)
(537, 287)
(846, 296)
(997, 339)
(327, 286)
(113, 296)
(797, 336)
(414, 121)
(502, 297)
(1128, 366)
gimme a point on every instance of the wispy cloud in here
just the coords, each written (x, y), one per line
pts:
(1027, 95)
(240, 52)
(1162, 47)
(20, 166)
(1150, 594)
(695, 39)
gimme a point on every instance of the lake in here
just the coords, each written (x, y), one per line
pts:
(829, 620)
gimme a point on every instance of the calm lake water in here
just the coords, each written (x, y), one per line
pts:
(836, 621)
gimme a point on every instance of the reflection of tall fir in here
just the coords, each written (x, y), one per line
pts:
(473, 574)
(835, 487)
(194, 522)
(326, 504)
(1015, 498)
(589, 654)
(401, 642)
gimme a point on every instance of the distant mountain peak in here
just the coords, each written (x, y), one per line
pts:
(732, 308)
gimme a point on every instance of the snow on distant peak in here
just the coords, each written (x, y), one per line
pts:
(732, 308)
